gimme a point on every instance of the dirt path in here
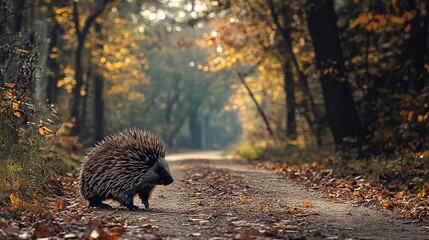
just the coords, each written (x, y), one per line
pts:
(214, 198)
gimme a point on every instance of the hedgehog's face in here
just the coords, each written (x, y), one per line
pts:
(159, 173)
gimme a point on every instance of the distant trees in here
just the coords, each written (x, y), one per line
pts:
(370, 58)
(290, 70)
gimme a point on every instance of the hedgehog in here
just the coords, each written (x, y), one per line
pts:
(129, 163)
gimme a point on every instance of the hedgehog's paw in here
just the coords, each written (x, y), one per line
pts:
(146, 203)
(100, 205)
(132, 207)
(97, 202)
(104, 206)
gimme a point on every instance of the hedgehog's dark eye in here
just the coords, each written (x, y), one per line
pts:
(161, 171)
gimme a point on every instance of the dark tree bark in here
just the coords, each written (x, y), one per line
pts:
(415, 48)
(311, 114)
(53, 67)
(18, 17)
(289, 88)
(289, 84)
(98, 96)
(86, 86)
(98, 108)
(81, 37)
(340, 106)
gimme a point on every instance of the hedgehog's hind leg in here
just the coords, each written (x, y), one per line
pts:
(128, 202)
(97, 202)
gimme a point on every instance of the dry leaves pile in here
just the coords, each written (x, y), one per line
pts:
(357, 189)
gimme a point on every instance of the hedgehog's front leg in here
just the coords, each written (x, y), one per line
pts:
(144, 196)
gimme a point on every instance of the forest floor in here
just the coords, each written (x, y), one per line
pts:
(216, 198)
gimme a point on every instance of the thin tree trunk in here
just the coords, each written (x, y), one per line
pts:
(340, 106)
(289, 88)
(53, 66)
(81, 36)
(415, 49)
(195, 125)
(261, 112)
(98, 95)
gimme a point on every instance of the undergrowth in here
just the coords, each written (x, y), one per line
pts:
(409, 172)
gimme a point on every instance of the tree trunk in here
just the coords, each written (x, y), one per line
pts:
(74, 114)
(81, 37)
(98, 108)
(415, 49)
(195, 126)
(98, 95)
(340, 107)
(289, 88)
(53, 67)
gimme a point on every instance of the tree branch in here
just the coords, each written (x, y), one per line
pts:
(94, 16)
(76, 20)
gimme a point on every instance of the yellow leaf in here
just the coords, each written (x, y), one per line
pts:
(15, 105)
(41, 131)
(14, 200)
(17, 113)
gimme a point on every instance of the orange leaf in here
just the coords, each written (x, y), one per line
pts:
(408, 28)
(306, 204)
(60, 204)
(14, 200)
(10, 85)
(9, 94)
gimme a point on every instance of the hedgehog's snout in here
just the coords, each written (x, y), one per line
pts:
(167, 181)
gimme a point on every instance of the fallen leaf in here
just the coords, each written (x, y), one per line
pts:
(306, 204)
(41, 231)
(60, 204)
(14, 200)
